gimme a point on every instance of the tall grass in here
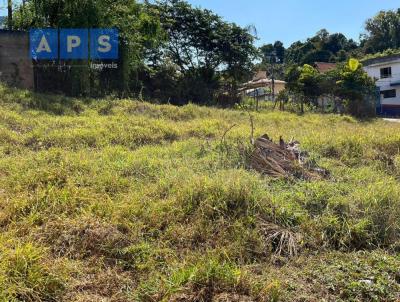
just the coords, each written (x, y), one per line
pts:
(120, 200)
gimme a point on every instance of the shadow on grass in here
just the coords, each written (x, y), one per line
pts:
(51, 103)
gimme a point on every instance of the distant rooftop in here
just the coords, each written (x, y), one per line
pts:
(324, 67)
(381, 57)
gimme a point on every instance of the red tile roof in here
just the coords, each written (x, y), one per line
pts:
(324, 67)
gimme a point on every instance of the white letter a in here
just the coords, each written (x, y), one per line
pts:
(43, 45)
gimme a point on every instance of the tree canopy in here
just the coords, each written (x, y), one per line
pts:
(348, 83)
(383, 32)
(192, 51)
(204, 49)
(323, 47)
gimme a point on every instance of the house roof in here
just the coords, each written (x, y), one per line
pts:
(261, 74)
(381, 60)
(324, 67)
(260, 83)
(259, 80)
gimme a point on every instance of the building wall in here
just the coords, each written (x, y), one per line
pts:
(374, 71)
(15, 64)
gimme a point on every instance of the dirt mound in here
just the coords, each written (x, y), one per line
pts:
(283, 160)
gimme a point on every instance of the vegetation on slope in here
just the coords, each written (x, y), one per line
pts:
(122, 200)
(387, 53)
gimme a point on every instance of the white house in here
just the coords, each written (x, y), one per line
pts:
(387, 72)
(261, 87)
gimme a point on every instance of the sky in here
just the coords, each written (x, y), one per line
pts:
(293, 20)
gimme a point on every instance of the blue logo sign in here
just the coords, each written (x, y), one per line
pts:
(74, 44)
(68, 44)
(103, 44)
(43, 44)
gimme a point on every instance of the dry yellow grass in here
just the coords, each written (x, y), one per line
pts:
(120, 200)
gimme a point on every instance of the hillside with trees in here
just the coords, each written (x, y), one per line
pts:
(382, 32)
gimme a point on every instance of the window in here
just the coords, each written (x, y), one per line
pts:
(387, 94)
(386, 72)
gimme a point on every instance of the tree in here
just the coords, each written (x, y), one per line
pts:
(335, 43)
(323, 47)
(297, 51)
(304, 83)
(280, 51)
(236, 56)
(341, 56)
(276, 50)
(204, 48)
(355, 88)
(10, 14)
(316, 56)
(348, 82)
(383, 31)
(293, 85)
(266, 51)
(310, 80)
(272, 59)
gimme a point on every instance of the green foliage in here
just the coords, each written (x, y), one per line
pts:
(347, 82)
(387, 52)
(309, 80)
(169, 50)
(323, 47)
(273, 52)
(305, 82)
(272, 59)
(353, 65)
(383, 32)
(382, 38)
(355, 86)
(205, 51)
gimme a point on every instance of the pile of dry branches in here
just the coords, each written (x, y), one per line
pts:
(283, 160)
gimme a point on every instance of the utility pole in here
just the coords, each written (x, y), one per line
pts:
(273, 79)
(273, 60)
(256, 97)
(10, 14)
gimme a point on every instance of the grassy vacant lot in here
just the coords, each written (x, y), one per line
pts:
(128, 201)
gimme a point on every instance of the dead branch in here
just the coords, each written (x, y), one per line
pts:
(226, 132)
(282, 160)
